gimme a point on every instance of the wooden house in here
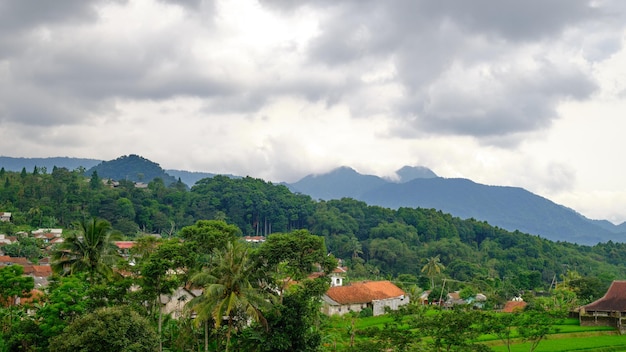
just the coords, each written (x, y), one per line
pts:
(610, 310)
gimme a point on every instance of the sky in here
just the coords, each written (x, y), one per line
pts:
(527, 93)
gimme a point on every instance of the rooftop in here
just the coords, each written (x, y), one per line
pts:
(364, 292)
(613, 300)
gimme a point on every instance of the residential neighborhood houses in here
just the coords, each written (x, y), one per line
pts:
(340, 299)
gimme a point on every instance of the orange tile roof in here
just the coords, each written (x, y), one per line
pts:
(613, 300)
(14, 260)
(125, 244)
(364, 292)
(514, 306)
(42, 270)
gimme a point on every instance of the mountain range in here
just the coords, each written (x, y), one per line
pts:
(511, 208)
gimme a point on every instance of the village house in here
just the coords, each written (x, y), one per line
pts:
(517, 306)
(610, 310)
(254, 239)
(4, 239)
(6, 260)
(4, 216)
(174, 304)
(376, 295)
(39, 273)
(124, 247)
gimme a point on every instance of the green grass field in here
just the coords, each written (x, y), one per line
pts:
(570, 337)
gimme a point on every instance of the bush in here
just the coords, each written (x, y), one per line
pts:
(115, 329)
(366, 312)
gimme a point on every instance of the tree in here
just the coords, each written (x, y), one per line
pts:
(91, 250)
(161, 271)
(65, 302)
(502, 325)
(294, 324)
(293, 256)
(13, 284)
(452, 330)
(209, 235)
(111, 329)
(433, 268)
(229, 293)
(534, 326)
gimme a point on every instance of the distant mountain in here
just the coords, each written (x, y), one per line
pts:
(17, 164)
(346, 182)
(339, 183)
(408, 173)
(510, 208)
(132, 168)
(191, 177)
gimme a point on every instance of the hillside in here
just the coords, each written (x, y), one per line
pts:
(132, 168)
(510, 208)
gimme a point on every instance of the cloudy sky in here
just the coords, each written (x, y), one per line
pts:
(518, 93)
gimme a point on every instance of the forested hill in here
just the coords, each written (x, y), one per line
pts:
(511, 208)
(374, 241)
(131, 168)
(508, 207)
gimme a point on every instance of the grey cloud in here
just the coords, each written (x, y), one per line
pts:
(27, 14)
(507, 103)
(425, 39)
(514, 20)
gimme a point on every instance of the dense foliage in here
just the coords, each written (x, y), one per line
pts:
(373, 241)
(258, 297)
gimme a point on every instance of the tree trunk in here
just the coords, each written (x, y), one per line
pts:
(160, 328)
(228, 334)
(206, 336)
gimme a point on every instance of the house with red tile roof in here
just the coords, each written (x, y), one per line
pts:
(376, 295)
(254, 239)
(514, 307)
(610, 310)
(6, 260)
(40, 273)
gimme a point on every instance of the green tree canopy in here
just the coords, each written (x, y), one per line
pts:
(111, 329)
(90, 249)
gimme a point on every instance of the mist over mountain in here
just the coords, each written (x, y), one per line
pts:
(408, 173)
(511, 208)
(338, 183)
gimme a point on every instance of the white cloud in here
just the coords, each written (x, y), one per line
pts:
(515, 93)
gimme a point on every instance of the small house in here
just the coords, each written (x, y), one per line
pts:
(376, 295)
(610, 310)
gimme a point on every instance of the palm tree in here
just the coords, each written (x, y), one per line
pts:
(433, 268)
(229, 290)
(90, 250)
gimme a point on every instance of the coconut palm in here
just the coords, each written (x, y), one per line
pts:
(90, 249)
(433, 268)
(229, 290)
